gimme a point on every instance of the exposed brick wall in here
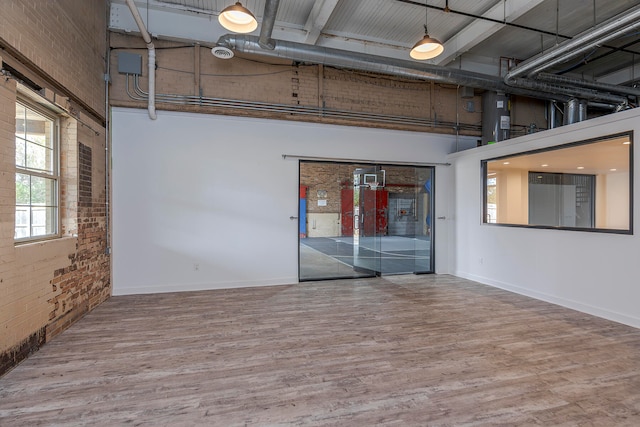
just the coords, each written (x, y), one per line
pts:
(525, 115)
(273, 81)
(47, 285)
(12, 346)
(65, 39)
(326, 177)
(83, 284)
(377, 93)
(84, 175)
(331, 178)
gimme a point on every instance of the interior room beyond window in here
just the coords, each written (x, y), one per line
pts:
(579, 186)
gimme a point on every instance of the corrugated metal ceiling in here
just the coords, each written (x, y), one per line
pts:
(396, 25)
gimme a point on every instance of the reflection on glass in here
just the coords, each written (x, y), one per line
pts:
(23, 189)
(364, 220)
(42, 191)
(579, 186)
(34, 141)
(36, 170)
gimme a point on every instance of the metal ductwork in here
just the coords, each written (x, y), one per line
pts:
(609, 30)
(572, 91)
(268, 21)
(412, 69)
(378, 64)
(590, 39)
(569, 81)
(574, 111)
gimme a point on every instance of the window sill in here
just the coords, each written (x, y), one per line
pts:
(53, 241)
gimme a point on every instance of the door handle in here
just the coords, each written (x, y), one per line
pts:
(293, 217)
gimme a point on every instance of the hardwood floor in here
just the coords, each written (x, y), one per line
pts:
(395, 351)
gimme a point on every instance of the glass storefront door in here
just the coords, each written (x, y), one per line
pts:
(369, 218)
(360, 220)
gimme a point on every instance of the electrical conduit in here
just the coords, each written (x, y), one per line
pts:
(151, 59)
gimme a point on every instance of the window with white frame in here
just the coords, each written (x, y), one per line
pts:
(37, 173)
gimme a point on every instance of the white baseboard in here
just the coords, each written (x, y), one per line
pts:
(564, 302)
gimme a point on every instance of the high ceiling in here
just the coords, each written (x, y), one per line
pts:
(484, 36)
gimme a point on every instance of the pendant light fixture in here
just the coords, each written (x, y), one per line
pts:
(238, 19)
(427, 47)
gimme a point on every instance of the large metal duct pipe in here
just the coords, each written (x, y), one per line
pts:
(569, 81)
(268, 21)
(570, 112)
(610, 29)
(411, 69)
(575, 111)
(582, 111)
(551, 120)
(572, 92)
(378, 64)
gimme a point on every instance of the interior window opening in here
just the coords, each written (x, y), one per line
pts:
(579, 186)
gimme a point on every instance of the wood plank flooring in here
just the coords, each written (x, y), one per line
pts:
(395, 351)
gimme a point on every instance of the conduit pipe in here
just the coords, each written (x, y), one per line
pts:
(268, 21)
(611, 29)
(151, 62)
(140, 95)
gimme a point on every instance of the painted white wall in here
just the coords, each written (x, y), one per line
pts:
(596, 273)
(617, 202)
(214, 193)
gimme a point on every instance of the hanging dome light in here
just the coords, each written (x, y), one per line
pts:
(238, 19)
(426, 48)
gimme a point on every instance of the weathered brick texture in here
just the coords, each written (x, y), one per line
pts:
(281, 82)
(47, 285)
(65, 39)
(331, 178)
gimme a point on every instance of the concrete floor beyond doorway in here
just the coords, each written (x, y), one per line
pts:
(334, 257)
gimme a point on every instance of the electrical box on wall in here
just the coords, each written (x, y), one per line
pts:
(129, 63)
(466, 92)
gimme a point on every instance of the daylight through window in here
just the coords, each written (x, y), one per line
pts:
(37, 173)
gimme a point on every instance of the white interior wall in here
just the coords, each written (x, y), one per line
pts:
(204, 202)
(617, 202)
(589, 271)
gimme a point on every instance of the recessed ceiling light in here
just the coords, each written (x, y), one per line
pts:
(580, 167)
(613, 170)
(505, 163)
(544, 166)
(627, 143)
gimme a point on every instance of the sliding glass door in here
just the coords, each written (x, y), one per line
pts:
(369, 218)
(361, 220)
(408, 243)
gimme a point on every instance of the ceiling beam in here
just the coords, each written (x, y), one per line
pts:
(317, 19)
(623, 76)
(481, 29)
